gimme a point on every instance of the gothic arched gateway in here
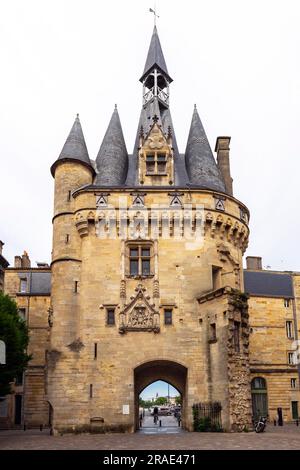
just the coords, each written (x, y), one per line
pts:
(168, 371)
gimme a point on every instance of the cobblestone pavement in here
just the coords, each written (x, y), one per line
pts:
(287, 437)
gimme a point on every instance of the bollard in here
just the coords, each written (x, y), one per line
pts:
(179, 420)
(275, 422)
(41, 427)
(160, 423)
(24, 427)
(297, 422)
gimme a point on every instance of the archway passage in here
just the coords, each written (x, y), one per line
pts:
(171, 372)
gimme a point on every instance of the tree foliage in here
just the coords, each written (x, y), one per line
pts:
(14, 333)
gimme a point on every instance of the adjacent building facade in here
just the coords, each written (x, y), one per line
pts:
(147, 283)
(30, 288)
(274, 318)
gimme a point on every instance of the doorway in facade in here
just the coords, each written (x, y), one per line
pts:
(160, 397)
(259, 398)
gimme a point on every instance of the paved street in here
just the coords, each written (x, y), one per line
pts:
(287, 437)
(165, 424)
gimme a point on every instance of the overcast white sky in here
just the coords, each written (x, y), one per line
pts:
(237, 59)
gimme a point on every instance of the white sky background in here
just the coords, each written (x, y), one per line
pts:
(239, 60)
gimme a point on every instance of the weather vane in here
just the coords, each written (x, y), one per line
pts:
(155, 14)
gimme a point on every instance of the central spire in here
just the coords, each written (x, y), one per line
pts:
(155, 78)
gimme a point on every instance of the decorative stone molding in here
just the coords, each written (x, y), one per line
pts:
(81, 224)
(139, 315)
(225, 255)
(166, 223)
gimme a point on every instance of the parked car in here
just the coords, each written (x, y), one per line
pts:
(163, 411)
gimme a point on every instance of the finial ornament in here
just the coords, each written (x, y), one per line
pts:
(116, 107)
(195, 106)
(154, 13)
(77, 115)
(155, 118)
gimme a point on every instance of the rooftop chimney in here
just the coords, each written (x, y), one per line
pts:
(222, 149)
(18, 262)
(254, 262)
(25, 260)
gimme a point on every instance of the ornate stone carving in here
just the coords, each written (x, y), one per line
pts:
(123, 290)
(139, 315)
(76, 346)
(156, 289)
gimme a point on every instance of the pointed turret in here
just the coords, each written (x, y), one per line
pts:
(200, 163)
(74, 149)
(112, 158)
(155, 58)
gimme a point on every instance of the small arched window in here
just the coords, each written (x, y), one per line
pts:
(259, 383)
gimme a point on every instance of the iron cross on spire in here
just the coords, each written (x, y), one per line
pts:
(154, 13)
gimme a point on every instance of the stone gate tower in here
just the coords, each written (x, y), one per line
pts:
(146, 271)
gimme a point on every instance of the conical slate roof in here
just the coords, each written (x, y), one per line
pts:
(112, 158)
(200, 163)
(74, 148)
(155, 57)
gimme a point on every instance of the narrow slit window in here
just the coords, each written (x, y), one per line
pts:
(95, 350)
(69, 196)
(91, 390)
(289, 329)
(212, 332)
(76, 287)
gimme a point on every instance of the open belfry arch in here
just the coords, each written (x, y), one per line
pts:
(146, 271)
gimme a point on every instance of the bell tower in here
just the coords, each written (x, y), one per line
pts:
(156, 79)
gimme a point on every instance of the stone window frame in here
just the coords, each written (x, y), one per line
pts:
(286, 303)
(108, 309)
(291, 360)
(24, 309)
(140, 244)
(168, 316)
(23, 285)
(158, 157)
(293, 383)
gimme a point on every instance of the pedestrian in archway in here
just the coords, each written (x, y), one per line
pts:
(155, 414)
